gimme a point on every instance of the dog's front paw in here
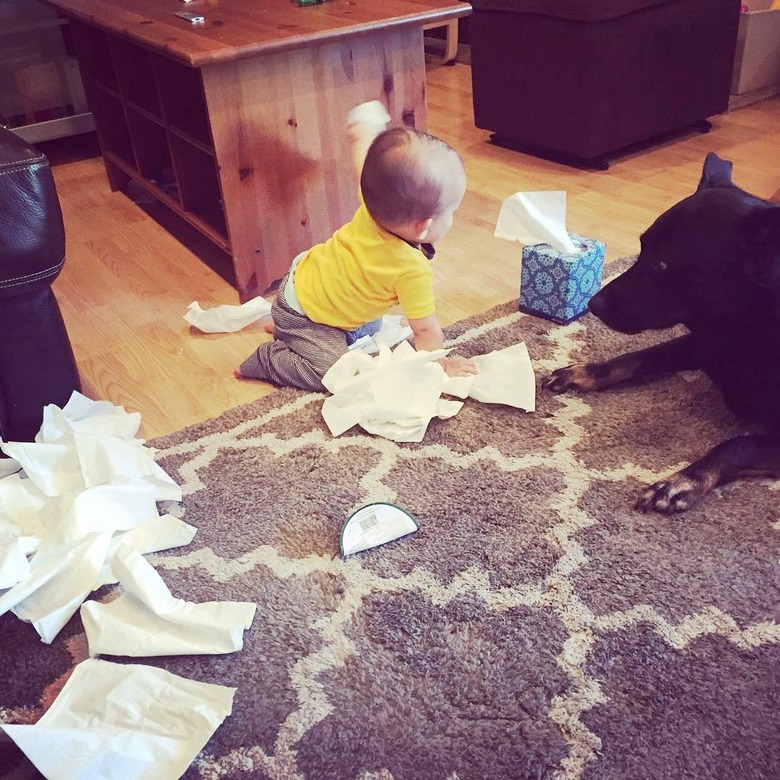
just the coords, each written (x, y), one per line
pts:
(673, 495)
(576, 377)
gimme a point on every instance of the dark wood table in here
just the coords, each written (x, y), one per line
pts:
(238, 124)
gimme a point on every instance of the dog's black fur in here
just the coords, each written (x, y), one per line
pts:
(711, 263)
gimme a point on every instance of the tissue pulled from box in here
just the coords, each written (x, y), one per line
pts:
(536, 218)
(394, 395)
(227, 318)
(85, 486)
(398, 392)
(147, 620)
(124, 721)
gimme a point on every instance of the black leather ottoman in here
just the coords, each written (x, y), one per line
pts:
(36, 360)
(580, 79)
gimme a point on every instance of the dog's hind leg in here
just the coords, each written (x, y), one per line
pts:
(664, 358)
(743, 456)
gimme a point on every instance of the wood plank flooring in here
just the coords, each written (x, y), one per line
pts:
(127, 281)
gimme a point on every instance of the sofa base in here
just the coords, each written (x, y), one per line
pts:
(572, 160)
(37, 366)
(599, 163)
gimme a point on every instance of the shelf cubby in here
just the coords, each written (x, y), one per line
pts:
(133, 66)
(152, 154)
(181, 94)
(199, 190)
(109, 114)
(95, 59)
(150, 113)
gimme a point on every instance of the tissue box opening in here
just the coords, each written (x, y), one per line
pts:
(756, 73)
(558, 286)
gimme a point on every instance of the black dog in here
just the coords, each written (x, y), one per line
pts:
(712, 264)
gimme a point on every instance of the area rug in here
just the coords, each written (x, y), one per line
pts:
(535, 626)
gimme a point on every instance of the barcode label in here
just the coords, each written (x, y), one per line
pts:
(369, 521)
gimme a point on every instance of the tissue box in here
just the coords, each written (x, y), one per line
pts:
(556, 285)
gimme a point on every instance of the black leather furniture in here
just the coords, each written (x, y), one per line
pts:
(577, 80)
(36, 360)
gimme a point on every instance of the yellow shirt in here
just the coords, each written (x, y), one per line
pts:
(360, 273)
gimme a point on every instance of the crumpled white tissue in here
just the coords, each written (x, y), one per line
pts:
(505, 376)
(124, 721)
(394, 395)
(398, 392)
(14, 549)
(86, 416)
(227, 318)
(53, 591)
(536, 218)
(146, 620)
(85, 485)
(84, 498)
(157, 534)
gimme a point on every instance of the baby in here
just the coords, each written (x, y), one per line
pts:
(411, 185)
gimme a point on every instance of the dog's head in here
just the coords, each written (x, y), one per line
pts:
(710, 256)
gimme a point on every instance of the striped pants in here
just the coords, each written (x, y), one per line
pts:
(302, 351)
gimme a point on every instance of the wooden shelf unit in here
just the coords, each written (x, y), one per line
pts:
(151, 118)
(238, 124)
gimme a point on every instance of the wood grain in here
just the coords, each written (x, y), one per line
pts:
(250, 150)
(235, 29)
(278, 126)
(127, 280)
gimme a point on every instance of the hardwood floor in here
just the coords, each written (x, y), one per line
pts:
(127, 281)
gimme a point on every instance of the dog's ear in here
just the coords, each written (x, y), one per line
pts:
(716, 173)
(760, 234)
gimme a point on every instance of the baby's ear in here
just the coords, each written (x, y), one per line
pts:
(421, 228)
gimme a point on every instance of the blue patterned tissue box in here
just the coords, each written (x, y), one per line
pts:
(556, 285)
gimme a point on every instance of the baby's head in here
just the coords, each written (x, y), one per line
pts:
(412, 183)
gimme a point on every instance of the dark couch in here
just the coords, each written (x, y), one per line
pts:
(581, 79)
(36, 360)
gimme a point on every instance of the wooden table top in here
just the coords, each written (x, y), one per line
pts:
(235, 29)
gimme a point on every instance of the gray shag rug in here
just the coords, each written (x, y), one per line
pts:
(536, 626)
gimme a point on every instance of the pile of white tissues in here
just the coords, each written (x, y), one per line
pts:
(78, 510)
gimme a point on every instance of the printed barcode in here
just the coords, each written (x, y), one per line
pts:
(369, 521)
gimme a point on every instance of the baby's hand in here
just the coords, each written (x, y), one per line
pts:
(371, 113)
(366, 121)
(458, 366)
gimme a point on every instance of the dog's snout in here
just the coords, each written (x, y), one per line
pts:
(597, 304)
